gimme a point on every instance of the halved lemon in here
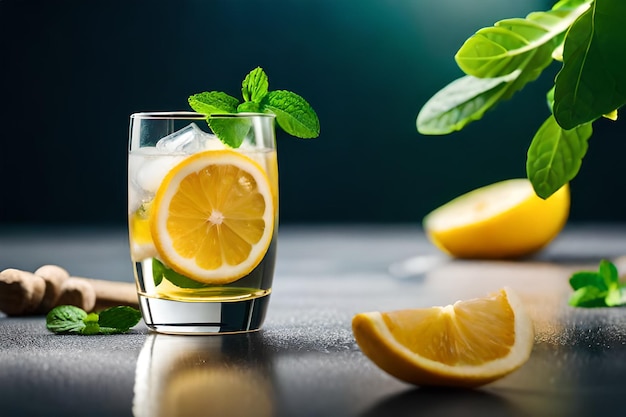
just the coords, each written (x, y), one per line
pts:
(502, 220)
(213, 216)
(466, 344)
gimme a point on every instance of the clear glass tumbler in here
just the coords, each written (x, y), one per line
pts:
(203, 219)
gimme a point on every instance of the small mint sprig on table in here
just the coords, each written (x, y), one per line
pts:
(68, 319)
(598, 289)
(293, 113)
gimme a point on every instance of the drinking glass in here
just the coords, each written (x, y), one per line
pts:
(203, 219)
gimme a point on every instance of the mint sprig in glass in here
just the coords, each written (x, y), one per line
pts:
(293, 113)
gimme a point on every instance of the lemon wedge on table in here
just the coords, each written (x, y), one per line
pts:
(212, 218)
(502, 220)
(466, 344)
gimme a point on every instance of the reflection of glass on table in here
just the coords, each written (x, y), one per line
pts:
(179, 376)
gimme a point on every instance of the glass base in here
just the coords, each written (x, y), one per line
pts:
(178, 317)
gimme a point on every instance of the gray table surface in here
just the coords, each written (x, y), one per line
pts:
(305, 362)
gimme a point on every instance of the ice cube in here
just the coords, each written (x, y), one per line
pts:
(148, 166)
(188, 140)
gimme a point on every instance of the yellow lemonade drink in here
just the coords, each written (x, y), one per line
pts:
(203, 221)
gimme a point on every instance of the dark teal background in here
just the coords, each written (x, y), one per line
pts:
(73, 71)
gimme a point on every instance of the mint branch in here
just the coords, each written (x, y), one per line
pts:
(293, 113)
(160, 271)
(254, 86)
(597, 289)
(213, 102)
(67, 319)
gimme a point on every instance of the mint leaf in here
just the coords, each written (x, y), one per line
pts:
(157, 271)
(586, 279)
(230, 130)
(293, 113)
(254, 86)
(608, 271)
(249, 107)
(172, 276)
(588, 297)
(597, 289)
(66, 319)
(91, 324)
(616, 296)
(213, 102)
(119, 319)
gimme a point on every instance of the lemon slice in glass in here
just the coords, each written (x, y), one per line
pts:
(212, 218)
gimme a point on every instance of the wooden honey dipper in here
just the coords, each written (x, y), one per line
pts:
(27, 293)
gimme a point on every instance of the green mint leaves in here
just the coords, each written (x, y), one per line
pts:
(293, 113)
(213, 102)
(255, 86)
(160, 271)
(598, 289)
(68, 319)
(500, 60)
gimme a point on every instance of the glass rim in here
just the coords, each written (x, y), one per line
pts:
(190, 115)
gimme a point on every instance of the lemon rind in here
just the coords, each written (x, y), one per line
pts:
(413, 368)
(187, 266)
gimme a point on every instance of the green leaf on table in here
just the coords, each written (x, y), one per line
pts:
(91, 324)
(608, 272)
(587, 279)
(254, 86)
(588, 297)
(160, 271)
(119, 319)
(213, 102)
(293, 113)
(615, 297)
(66, 319)
(590, 289)
(555, 156)
(597, 289)
(592, 81)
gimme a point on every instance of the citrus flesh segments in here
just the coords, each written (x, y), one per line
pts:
(213, 216)
(502, 220)
(467, 344)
